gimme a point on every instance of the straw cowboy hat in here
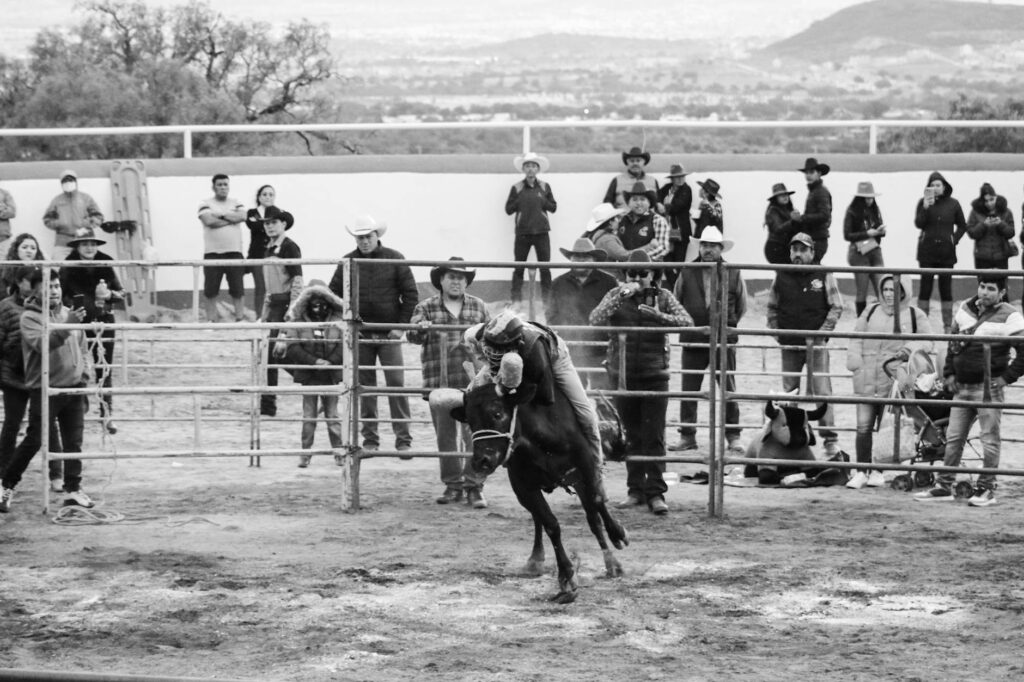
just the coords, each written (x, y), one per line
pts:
(585, 247)
(601, 214)
(437, 272)
(780, 188)
(713, 235)
(636, 153)
(812, 164)
(365, 224)
(275, 213)
(530, 157)
(84, 235)
(866, 189)
(677, 171)
(711, 187)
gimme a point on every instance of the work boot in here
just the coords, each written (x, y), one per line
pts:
(450, 496)
(475, 499)
(686, 442)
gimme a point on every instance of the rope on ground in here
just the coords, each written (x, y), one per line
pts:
(73, 515)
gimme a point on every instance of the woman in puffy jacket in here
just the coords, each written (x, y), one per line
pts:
(990, 225)
(864, 228)
(866, 358)
(779, 224)
(942, 225)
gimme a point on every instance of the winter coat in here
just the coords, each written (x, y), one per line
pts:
(68, 212)
(990, 239)
(866, 357)
(12, 366)
(966, 359)
(531, 206)
(942, 227)
(817, 215)
(82, 281)
(780, 230)
(859, 219)
(69, 365)
(311, 345)
(386, 293)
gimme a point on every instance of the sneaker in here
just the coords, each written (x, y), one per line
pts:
(78, 498)
(936, 494)
(56, 485)
(735, 446)
(685, 443)
(876, 479)
(475, 499)
(370, 447)
(658, 506)
(304, 461)
(631, 500)
(831, 449)
(858, 481)
(5, 500)
(982, 498)
(450, 496)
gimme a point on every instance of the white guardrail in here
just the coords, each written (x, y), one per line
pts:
(186, 131)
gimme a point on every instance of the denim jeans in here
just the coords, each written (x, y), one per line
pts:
(456, 472)
(643, 419)
(568, 381)
(69, 413)
(699, 358)
(310, 408)
(960, 421)
(390, 355)
(794, 360)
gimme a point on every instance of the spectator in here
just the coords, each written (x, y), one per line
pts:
(265, 197)
(817, 215)
(323, 350)
(222, 218)
(641, 303)
(603, 230)
(806, 301)
(573, 296)
(642, 228)
(94, 289)
(677, 198)
(387, 295)
(709, 209)
(636, 161)
(866, 358)
(864, 228)
(24, 249)
(68, 212)
(8, 211)
(778, 221)
(444, 358)
(530, 200)
(990, 225)
(69, 368)
(283, 283)
(942, 225)
(693, 290)
(986, 314)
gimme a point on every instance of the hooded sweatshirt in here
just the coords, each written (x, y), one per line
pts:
(942, 226)
(990, 238)
(315, 344)
(68, 363)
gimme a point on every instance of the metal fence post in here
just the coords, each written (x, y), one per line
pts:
(716, 449)
(186, 143)
(350, 277)
(873, 138)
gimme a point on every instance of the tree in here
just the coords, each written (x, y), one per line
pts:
(951, 140)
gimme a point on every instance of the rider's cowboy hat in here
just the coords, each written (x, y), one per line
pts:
(437, 272)
(585, 247)
(364, 225)
(530, 157)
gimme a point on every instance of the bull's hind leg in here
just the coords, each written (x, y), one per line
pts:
(529, 494)
(594, 499)
(595, 519)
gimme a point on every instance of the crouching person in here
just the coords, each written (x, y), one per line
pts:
(323, 350)
(69, 368)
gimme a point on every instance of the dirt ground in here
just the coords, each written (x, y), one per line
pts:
(224, 570)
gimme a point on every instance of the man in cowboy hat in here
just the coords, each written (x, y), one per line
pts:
(69, 211)
(222, 218)
(677, 198)
(805, 302)
(817, 215)
(387, 295)
(694, 291)
(444, 357)
(283, 285)
(642, 228)
(530, 200)
(635, 159)
(573, 296)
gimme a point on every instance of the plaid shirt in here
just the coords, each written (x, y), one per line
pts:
(445, 344)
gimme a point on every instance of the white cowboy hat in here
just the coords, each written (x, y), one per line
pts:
(365, 224)
(713, 235)
(530, 157)
(602, 213)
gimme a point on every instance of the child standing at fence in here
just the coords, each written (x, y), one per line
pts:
(321, 349)
(283, 284)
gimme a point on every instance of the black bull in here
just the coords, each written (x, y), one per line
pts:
(545, 449)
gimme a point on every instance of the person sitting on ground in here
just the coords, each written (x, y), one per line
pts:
(867, 359)
(323, 351)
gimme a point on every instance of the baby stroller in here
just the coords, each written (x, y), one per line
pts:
(918, 378)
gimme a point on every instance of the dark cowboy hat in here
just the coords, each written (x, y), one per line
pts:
(437, 272)
(779, 188)
(585, 247)
(85, 234)
(637, 153)
(275, 213)
(677, 171)
(812, 164)
(641, 188)
(711, 187)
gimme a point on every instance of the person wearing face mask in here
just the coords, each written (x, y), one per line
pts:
(24, 249)
(866, 358)
(68, 212)
(321, 352)
(806, 301)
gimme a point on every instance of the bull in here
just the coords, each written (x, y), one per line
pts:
(543, 447)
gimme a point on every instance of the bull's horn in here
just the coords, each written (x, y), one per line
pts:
(446, 399)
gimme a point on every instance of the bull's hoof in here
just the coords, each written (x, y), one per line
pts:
(534, 568)
(612, 567)
(619, 536)
(565, 597)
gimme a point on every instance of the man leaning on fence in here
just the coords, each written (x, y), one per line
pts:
(444, 357)
(983, 315)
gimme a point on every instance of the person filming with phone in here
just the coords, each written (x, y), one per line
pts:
(941, 221)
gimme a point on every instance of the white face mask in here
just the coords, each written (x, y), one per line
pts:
(69, 186)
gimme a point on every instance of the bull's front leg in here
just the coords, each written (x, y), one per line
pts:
(527, 490)
(535, 564)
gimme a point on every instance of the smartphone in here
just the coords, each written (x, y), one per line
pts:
(929, 193)
(78, 301)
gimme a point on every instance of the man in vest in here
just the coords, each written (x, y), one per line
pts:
(817, 215)
(530, 200)
(693, 289)
(808, 301)
(635, 159)
(642, 228)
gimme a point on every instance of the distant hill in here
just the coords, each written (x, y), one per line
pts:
(549, 47)
(897, 26)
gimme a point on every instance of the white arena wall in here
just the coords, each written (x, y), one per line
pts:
(440, 206)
